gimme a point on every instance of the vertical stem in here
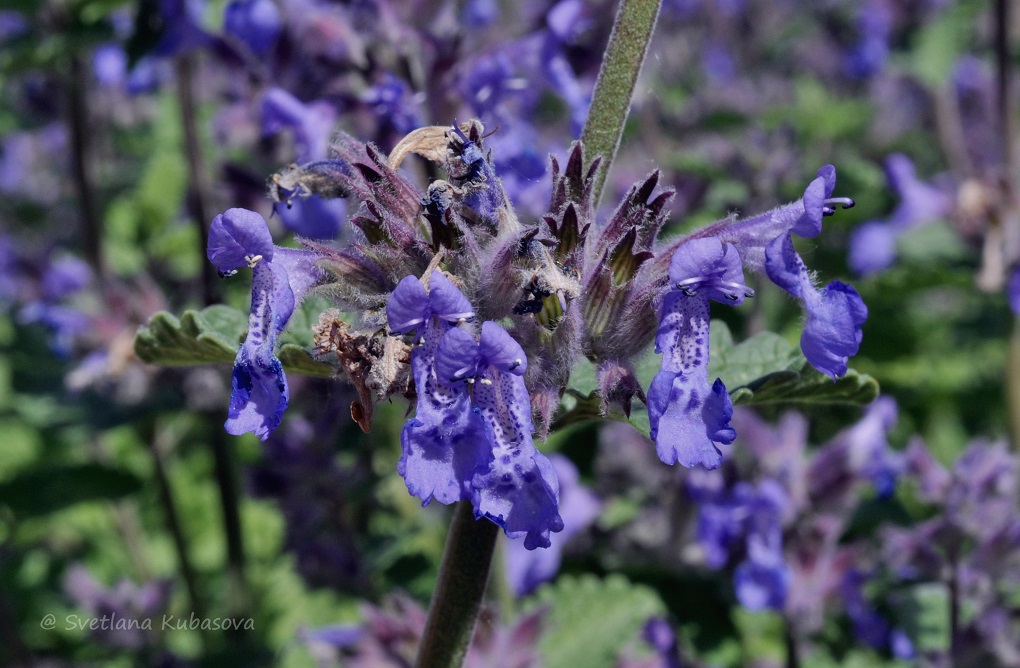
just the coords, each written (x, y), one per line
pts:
(1004, 68)
(82, 163)
(226, 482)
(173, 521)
(1013, 384)
(198, 198)
(16, 651)
(157, 446)
(954, 611)
(457, 599)
(628, 44)
(792, 648)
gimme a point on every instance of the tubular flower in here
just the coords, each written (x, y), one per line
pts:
(470, 437)
(689, 416)
(281, 277)
(709, 265)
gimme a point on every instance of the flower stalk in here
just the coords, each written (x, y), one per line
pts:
(457, 600)
(610, 104)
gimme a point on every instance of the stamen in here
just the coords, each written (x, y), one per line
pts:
(828, 206)
(252, 260)
(516, 364)
(485, 381)
(690, 287)
(227, 273)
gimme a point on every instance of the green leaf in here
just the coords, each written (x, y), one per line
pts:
(42, 491)
(939, 44)
(211, 336)
(761, 355)
(191, 340)
(923, 612)
(590, 619)
(807, 387)
(296, 359)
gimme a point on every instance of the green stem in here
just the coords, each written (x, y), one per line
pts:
(628, 44)
(460, 588)
(82, 163)
(1013, 384)
(158, 447)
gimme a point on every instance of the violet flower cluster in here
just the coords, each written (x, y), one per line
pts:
(776, 513)
(480, 317)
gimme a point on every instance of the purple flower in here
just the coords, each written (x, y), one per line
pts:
(873, 244)
(471, 437)
(180, 28)
(479, 13)
(281, 277)
(872, 247)
(746, 522)
(869, 55)
(64, 277)
(1013, 290)
(63, 323)
(256, 23)
(579, 507)
(688, 416)
(126, 602)
(394, 104)
(835, 313)
(312, 123)
(109, 65)
(313, 216)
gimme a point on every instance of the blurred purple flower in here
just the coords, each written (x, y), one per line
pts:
(394, 104)
(181, 29)
(109, 65)
(311, 123)
(121, 609)
(479, 13)
(869, 55)
(1013, 290)
(256, 23)
(873, 244)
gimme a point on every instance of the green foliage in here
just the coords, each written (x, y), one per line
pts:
(939, 44)
(923, 612)
(45, 490)
(590, 619)
(190, 340)
(211, 336)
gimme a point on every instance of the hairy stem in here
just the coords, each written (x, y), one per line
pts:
(628, 44)
(460, 588)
